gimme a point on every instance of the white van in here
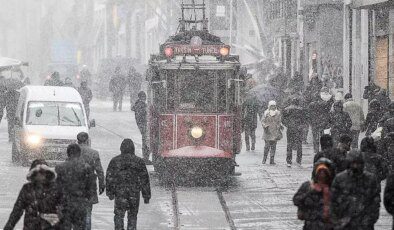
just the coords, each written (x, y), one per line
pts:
(47, 120)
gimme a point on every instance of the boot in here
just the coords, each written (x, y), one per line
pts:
(264, 158)
(253, 146)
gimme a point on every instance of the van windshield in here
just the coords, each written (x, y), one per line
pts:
(55, 114)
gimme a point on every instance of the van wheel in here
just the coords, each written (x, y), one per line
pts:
(15, 153)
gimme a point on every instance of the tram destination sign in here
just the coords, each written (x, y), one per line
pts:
(214, 50)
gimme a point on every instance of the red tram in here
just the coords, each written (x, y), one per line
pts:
(194, 101)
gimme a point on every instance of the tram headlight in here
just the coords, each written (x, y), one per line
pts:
(224, 51)
(169, 52)
(196, 132)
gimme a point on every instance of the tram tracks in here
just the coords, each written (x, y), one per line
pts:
(177, 222)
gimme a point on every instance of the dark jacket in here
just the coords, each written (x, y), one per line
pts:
(140, 110)
(337, 156)
(75, 179)
(389, 195)
(388, 148)
(340, 123)
(310, 202)
(375, 164)
(92, 157)
(34, 199)
(251, 109)
(294, 117)
(117, 84)
(127, 175)
(355, 201)
(372, 120)
(53, 82)
(319, 113)
(86, 95)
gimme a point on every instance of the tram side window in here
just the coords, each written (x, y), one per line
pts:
(222, 88)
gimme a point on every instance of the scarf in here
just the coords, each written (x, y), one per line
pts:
(325, 189)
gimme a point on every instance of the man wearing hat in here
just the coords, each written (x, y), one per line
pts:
(127, 177)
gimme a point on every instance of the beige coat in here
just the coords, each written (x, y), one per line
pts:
(272, 126)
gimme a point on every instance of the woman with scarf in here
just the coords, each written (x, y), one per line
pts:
(313, 198)
(272, 126)
(39, 199)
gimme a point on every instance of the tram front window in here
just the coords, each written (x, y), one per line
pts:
(197, 92)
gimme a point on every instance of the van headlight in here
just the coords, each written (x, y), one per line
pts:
(33, 139)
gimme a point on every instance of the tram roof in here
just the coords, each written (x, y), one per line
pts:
(203, 63)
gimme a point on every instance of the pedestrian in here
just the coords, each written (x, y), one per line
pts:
(117, 87)
(374, 162)
(373, 91)
(294, 118)
(68, 82)
(39, 199)
(356, 114)
(92, 157)
(375, 113)
(340, 122)
(134, 82)
(355, 196)
(319, 116)
(3, 96)
(386, 117)
(388, 199)
(11, 100)
(387, 145)
(85, 74)
(327, 149)
(76, 181)
(296, 83)
(54, 80)
(86, 95)
(313, 198)
(250, 110)
(127, 176)
(272, 128)
(314, 86)
(140, 113)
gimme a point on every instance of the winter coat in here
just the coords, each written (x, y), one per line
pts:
(140, 110)
(272, 126)
(86, 95)
(294, 117)
(388, 148)
(337, 156)
(319, 113)
(92, 157)
(310, 202)
(377, 93)
(35, 199)
(375, 164)
(117, 84)
(355, 201)
(251, 108)
(389, 195)
(385, 122)
(76, 181)
(314, 86)
(356, 114)
(340, 123)
(372, 120)
(127, 175)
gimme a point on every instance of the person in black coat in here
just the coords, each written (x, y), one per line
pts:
(294, 118)
(374, 163)
(92, 157)
(313, 197)
(127, 176)
(140, 113)
(86, 95)
(340, 122)
(40, 200)
(76, 181)
(318, 117)
(117, 86)
(355, 196)
(54, 80)
(388, 199)
(251, 109)
(375, 113)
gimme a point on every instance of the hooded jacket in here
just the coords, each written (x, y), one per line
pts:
(127, 175)
(313, 200)
(356, 114)
(35, 199)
